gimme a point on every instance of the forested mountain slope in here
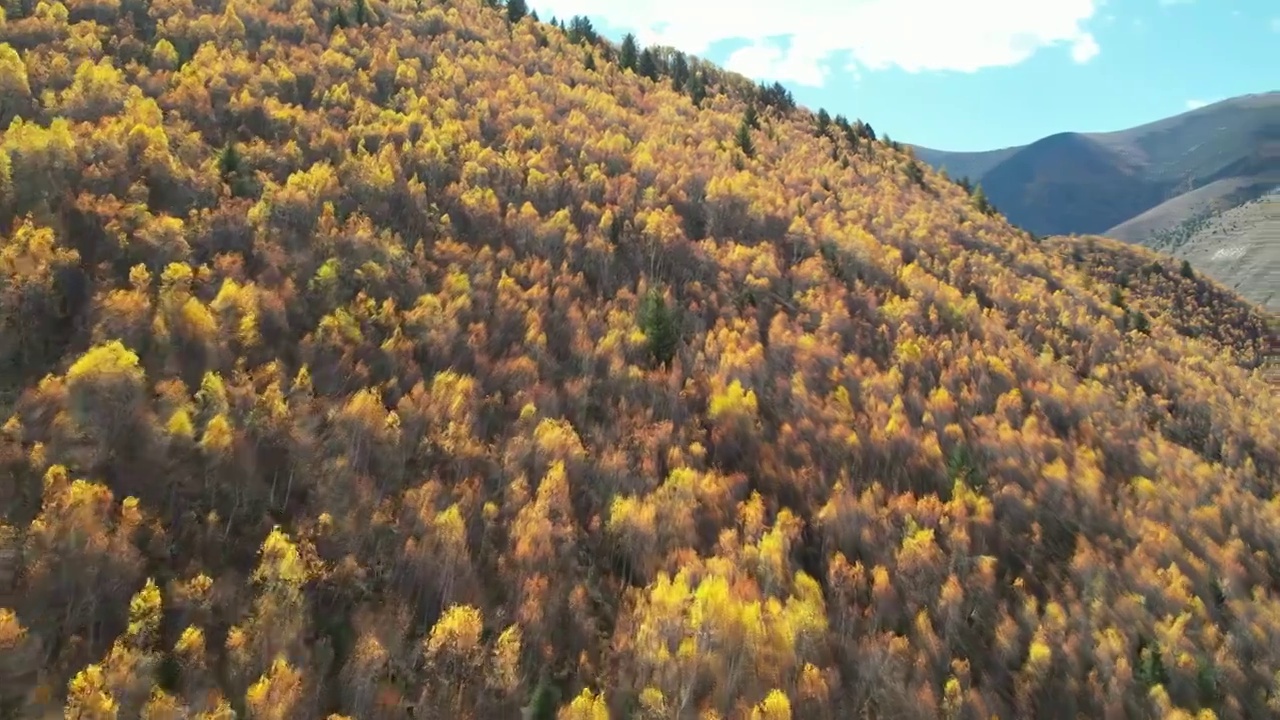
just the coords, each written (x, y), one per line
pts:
(371, 360)
(1240, 246)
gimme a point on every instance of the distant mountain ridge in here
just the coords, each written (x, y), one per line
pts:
(1226, 154)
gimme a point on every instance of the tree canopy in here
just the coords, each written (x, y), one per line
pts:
(372, 357)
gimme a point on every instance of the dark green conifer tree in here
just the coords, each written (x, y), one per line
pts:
(630, 53)
(337, 18)
(648, 64)
(580, 30)
(743, 139)
(981, 202)
(231, 170)
(915, 173)
(697, 88)
(661, 327)
(679, 70)
(229, 160)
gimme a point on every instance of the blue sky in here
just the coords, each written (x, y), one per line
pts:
(972, 74)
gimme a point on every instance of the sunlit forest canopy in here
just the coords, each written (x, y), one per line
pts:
(370, 360)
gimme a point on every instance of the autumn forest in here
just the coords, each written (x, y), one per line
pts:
(425, 359)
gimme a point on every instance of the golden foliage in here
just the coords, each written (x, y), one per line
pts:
(586, 706)
(341, 316)
(456, 633)
(111, 360)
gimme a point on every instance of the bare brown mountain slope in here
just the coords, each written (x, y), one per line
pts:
(1153, 226)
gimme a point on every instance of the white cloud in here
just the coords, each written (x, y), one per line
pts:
(1275, 23)
(1085, 49)
(914, 35)
(765, 59)
(1196, 104)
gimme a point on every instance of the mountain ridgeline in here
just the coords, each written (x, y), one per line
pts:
(1209, 159)
(422, 359)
